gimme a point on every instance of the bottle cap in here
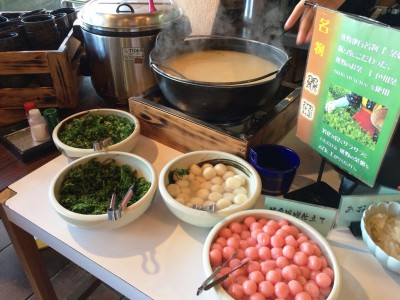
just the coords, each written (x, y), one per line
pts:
(28, 106)
(34, 112)
(50, 112)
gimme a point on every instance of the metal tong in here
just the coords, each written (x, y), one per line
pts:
(210, 282)
(112, 215)
(115, 214)
(210, 207)
(97, 146)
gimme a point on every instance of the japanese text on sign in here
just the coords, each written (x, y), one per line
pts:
(352, 156)
(323, 27)
(304, 216)
(321, 218)
(307, 109)
(352, 207)
(359, 56)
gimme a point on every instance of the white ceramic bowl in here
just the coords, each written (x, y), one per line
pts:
(199, 217)
(392, 209)
(130, 213)
(273, 215)
(126, 145)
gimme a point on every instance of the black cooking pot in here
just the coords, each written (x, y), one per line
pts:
(217, 102)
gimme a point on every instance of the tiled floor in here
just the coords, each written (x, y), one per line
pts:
(67, 277)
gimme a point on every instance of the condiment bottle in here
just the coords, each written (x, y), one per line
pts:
(38, 126)
(51, 117)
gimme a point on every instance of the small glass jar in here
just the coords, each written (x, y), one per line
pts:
(51, 116)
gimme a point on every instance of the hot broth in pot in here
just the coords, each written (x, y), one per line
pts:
(219, 66)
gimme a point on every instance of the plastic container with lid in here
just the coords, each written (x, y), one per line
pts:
(38, 126)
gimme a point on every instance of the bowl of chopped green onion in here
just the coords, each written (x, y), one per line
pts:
(82, 191)
(96, 130)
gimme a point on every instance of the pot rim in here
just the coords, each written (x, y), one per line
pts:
(155, 65)
(132, 17)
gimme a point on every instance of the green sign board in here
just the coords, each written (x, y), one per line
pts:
(350, 100)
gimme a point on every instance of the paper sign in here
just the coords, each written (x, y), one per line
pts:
(319, 217)
(384, 190)
(352, 208)
(350, 104)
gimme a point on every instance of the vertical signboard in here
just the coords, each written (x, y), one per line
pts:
(351, 95)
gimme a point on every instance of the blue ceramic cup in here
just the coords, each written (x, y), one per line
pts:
(276, 165)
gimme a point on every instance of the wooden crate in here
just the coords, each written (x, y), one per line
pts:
(62, 65)
(183, 133)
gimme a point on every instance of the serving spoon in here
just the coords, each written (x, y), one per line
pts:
(152, 8)
(183, 77)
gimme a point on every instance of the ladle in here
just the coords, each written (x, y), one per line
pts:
(152, 8)
(184, 78)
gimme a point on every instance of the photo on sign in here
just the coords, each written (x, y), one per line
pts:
(353, 115)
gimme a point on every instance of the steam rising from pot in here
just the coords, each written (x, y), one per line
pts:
(260, 20)
(268, 28)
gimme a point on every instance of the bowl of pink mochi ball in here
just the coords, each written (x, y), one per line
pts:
(285, 258)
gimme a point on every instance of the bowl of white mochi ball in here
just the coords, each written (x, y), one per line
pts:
(203, 187)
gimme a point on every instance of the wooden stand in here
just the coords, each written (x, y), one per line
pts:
(60, 66)
(184, 133)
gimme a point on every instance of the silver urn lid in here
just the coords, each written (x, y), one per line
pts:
(127, 16)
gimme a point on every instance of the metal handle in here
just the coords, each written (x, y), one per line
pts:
(160, 65)
(210, 83)
(124, 4)
(152, 8)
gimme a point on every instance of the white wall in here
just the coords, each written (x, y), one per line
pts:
(201, 14)
(27, 5)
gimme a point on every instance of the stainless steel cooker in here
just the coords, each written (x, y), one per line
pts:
(118, 37)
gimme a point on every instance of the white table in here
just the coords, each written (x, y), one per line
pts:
(158, 256)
